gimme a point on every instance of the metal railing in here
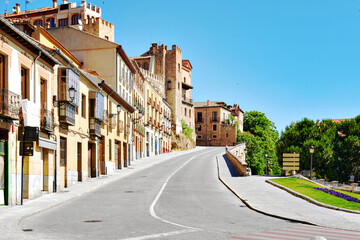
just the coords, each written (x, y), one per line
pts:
(10, 104)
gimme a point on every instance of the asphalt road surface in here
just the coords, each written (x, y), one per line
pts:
(180, 198)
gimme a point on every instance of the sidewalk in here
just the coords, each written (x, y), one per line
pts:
(10, 217)
(267, 199)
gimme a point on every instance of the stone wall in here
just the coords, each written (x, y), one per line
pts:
(233, 154)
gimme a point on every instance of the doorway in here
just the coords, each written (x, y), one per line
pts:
(125, 155)
(79, 162)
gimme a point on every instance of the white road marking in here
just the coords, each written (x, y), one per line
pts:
(161, 235)
(152, 211)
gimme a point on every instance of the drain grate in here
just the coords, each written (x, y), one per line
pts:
(128, 191)
(27, 230)
(92, 221)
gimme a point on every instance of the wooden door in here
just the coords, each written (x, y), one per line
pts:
(116, 155)
(79, 162)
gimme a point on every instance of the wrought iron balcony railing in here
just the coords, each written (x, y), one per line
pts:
(9, 104)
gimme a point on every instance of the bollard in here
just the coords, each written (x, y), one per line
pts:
(353, 187)
(335, 184)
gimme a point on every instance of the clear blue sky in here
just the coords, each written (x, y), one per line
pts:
(288, 59)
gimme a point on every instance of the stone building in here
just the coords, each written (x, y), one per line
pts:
(26, 73)
(214, 126)
(85, 17)
(176, 72)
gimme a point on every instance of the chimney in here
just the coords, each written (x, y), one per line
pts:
(17, 8)
(83, 3)
(65, 1)
(54, 3)
(208, 102)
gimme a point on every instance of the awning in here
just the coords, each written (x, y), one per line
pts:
(47, 143)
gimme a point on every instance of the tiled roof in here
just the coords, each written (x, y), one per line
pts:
(30, 11)
(340, 120)
(211, 104)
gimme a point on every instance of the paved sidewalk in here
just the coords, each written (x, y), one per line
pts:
(270, 200)
(10, 217)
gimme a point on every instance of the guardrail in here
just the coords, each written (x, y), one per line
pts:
(233, 154)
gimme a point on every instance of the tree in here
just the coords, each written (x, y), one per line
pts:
(260, 140)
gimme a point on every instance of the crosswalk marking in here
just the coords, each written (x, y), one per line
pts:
(302, 232)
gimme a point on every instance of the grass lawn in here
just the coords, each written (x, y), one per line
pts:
(307, 188)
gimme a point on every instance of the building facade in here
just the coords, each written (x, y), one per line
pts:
(214, 125)
(86, 17)
(176, 72)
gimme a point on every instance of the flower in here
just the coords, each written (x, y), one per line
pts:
(338, 194)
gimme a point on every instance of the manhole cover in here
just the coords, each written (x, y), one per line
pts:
(92, 221)
(27, 230)
(128, 191)
(63, 191)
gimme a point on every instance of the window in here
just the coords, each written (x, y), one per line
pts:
(83, 105)
(43, 95)
(75, 19)
(214, 116)
(25, 93)
(185, 112)
(169, 85)
(184, 79)
(63, 22)
(62, 151)
(199, 117)
(2, 72)
(199, 128)
(214, 136)
(52, 22)
(146, 66)
(106, 37)
(190, 113)
(214, 127)
(110, 149)
(199, 137)
(179, 67)
(178, 85)
(223, 116)
(227, 135)
(38, 22)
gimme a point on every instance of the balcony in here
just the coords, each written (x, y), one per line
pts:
(67, 113)
(187, 100)
(149, 100)
(95, 127)
(9, 104)
(200, 120)
(140, 128)
(214, 119)
(112, 122)
(47, 121)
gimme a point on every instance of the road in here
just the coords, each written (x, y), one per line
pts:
(180, 198)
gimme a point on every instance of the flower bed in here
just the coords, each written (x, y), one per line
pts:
(338, 194)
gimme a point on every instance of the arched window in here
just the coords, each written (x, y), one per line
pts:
(38, 22)
(146, 66)
(75, 19)
(179, 67)
(52, 22)
(184, 79)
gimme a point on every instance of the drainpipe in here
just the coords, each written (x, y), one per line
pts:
(35, 76)
(55, 173)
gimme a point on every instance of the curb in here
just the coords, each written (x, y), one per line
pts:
(245, 201)
(311, 200)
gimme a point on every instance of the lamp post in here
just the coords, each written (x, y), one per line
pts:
(266, 156)
(311, 150)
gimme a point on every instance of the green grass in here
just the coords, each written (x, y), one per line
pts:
(307, 188)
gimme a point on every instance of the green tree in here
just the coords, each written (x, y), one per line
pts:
(261, 140)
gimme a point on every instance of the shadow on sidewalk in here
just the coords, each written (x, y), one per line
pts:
(231, 168)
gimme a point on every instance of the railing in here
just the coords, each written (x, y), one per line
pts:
(121, 126)
(140, 128)
(47, 122)
(339, 186)
(95, 127)
(200, 120)
(214, 119)
(112, 122)
(67, 114)
(10, 104)
(188, 100)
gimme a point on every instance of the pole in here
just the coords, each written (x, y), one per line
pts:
(266, 166)
(22, 164)
(311, 160)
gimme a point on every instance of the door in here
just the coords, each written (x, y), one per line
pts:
(79, 162)
(116, 155)
(102, 155)
(91, 161)
(42, 171)
(125, 155)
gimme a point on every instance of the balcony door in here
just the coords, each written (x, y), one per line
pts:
(2, 72)
(25, 85)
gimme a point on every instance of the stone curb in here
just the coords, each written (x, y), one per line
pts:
(311, 200)
(245, 201)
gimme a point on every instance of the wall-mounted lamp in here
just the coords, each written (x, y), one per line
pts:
(118, 109)
(136, 120)
(72, 91)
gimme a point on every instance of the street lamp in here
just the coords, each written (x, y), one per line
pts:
(266, 156)
(311, 150)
